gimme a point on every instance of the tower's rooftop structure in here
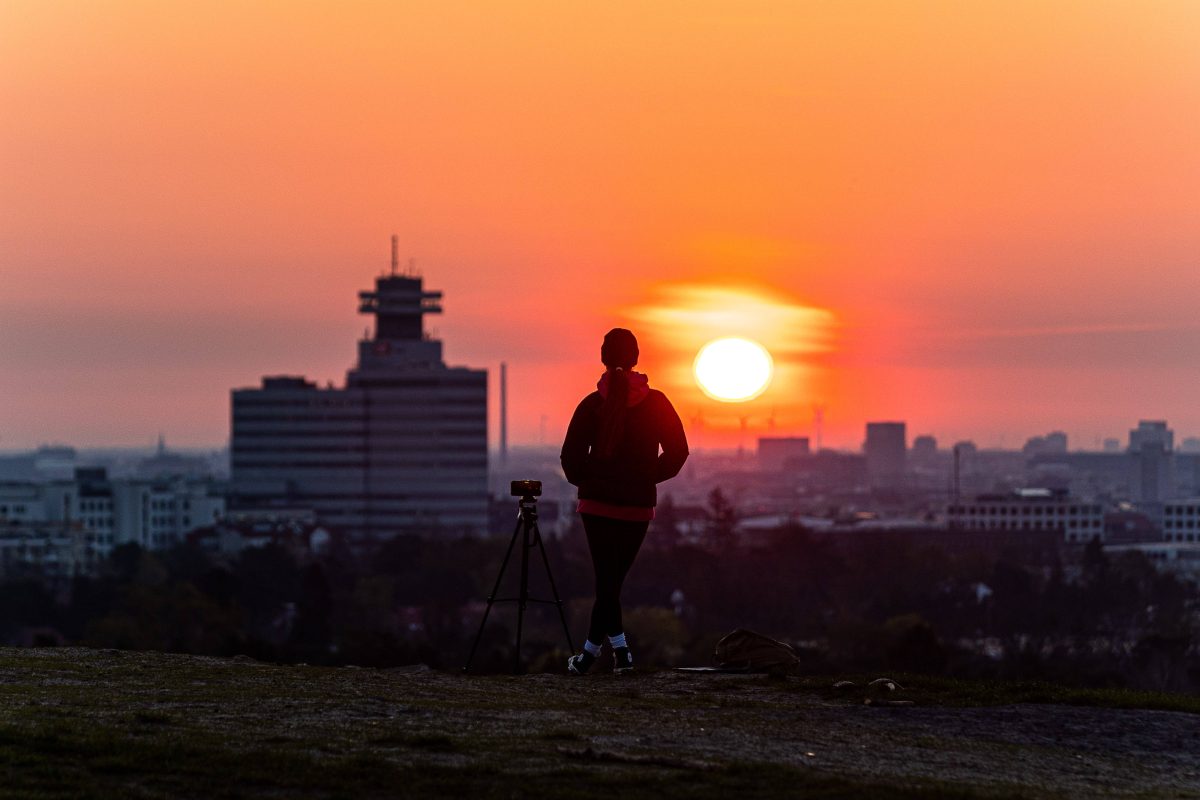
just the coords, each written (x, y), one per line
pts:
(399, 304)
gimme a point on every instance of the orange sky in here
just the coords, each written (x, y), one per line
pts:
(993, 209)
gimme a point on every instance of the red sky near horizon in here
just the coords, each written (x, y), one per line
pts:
(982, 218)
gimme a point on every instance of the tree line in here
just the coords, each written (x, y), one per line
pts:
(883, 604)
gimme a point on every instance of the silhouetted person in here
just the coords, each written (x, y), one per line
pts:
(612, 453)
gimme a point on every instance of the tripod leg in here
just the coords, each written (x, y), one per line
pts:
(523, 597)
(492, 596)
(537, 535)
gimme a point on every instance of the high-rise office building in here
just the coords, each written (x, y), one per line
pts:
(885, 449)
(1152, 446)
(924, 449)
(1153, 432)
(402, 448)
(1053, 443)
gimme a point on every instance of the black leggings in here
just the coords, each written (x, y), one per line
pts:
(614, 544)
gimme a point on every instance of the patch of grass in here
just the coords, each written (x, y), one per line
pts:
(560, 735)
(68, 761)
(930, 690)
(742, 779)
(952, 692)
(184, 727)
(151, 718)
(59, 761)
(433, 742)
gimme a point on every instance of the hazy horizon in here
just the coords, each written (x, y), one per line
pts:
(980, 218)
(1074, 444)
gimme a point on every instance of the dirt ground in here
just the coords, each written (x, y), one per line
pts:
(123, 717)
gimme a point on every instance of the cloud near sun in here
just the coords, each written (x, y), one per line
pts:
(685, 317)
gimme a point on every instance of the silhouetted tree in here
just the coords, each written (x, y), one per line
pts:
(721, 518)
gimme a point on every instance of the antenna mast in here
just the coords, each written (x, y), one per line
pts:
(395, 253)
(503, 413)
(818, 424)
(957, 486)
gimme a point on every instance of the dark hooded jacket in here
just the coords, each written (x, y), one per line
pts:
(629, 477)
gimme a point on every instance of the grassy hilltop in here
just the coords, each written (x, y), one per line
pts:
(106, 723)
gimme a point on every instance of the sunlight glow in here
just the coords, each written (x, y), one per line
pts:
(733, 369)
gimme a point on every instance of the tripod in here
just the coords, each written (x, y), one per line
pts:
(531, 537)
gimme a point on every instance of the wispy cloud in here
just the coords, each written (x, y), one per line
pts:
(685, 316)
(1075, 346)
(1046, 331)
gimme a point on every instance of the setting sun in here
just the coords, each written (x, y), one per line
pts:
(733, 369)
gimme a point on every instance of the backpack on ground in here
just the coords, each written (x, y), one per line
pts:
(747, 651)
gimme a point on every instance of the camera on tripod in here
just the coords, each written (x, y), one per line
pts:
(525, 488)
(531, 539)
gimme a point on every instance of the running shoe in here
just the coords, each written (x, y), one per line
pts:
(581, 663)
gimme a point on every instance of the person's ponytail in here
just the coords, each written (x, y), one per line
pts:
(612, 413)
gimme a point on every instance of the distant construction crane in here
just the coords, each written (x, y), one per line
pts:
(503, 413)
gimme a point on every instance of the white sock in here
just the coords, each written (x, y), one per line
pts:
(617, 641)
(593, 649)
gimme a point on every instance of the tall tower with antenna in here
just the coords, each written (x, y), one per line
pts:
(401, 448)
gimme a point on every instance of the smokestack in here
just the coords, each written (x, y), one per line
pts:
(395, 253)
(957, 467)
(503, 413)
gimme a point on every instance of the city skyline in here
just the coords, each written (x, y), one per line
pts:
(978, 220)
(1119, 441)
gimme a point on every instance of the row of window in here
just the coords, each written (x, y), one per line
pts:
(357, 464)
(418, 383)
(15, 509)
(156, 520)
(311, 448)
(1172, 524)
(1182, 511)
(452, 394)
(1026, 525)
(162, 521)
(355, 516)
(1180, 537)
(345, 426)
(355, 421)
(1026, 511)
(457, 391)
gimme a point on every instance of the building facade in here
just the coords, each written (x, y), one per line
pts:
(1181, 521)
(1031, 510)
(1151, 432)
(886, 448)
(99, 513)
(46, 549)
(775, 451)
(401, 448)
